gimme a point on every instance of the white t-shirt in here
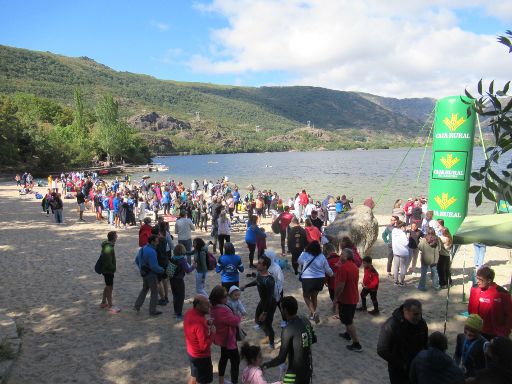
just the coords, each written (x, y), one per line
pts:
(318, 267)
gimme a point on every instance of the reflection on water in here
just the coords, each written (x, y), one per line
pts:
(358, 174)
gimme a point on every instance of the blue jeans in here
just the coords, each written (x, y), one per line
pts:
(433, 275)
(479, 259)
(58, 215)
(200, 283)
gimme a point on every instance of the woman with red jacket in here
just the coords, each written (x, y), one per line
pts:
(226, 323)
(493, 303)
(346, 242)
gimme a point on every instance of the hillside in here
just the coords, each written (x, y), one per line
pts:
(234, 118)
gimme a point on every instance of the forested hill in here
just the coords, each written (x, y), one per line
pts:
(249, 118)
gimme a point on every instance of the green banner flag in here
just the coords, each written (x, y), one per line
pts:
(452, 154)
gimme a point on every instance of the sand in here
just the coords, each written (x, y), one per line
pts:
(49, 287)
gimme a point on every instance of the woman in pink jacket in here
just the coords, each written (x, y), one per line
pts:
(226, 323)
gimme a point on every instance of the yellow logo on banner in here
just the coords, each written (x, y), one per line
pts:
(449, 161)
(444, 202)
(454, 123)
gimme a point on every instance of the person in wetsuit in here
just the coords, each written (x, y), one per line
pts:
(267, 305)
(296, 341)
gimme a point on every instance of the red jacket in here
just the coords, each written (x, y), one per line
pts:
(303, 199)
(333, 259)
(285, 219)
(371, 278)
(144, 233)
(313, 234)
(494, 305)
(225, 322)
(197, 336)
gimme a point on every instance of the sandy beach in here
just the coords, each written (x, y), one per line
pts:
(49, 287)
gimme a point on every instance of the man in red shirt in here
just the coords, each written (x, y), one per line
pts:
(284, 221)
(493, 303)
(303, 200)
(347, 296)
(199, 335)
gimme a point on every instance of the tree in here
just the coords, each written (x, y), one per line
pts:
(79, 120)
(494, 104)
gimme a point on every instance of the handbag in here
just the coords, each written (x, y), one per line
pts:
(306, 267)
(240, 334)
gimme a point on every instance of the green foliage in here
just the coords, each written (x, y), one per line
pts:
(494, 104)
(43, 135)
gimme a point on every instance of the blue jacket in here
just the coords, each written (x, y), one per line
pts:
(149, 258)
(236, 197)
(252, 232)
(116, 204)
(339, 206)
(166, 197)
(229, 266)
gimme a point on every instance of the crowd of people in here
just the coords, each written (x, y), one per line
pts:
(483, 350)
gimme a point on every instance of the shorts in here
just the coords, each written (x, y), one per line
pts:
(259, 211)
(346, 313)
(109, 279)
(312, 285)
(201, 369)
(82, 207)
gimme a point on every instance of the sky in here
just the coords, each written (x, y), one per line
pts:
(395, 48)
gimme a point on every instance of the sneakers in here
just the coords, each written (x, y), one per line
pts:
(179, 318)
(257, 327)
(162, 302)
(114, 310)
(283, 324)
(374, 312)
(345, 336)
(355, 347)
(361, 309)
(316, 318)
(271, 345)
(103, 305)
(155, 313)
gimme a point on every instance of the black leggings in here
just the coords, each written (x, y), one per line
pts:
(283, 238)
(252, 249)
(178, 295)
(373, 296)
(222, 239)
(234, 357)
(295, 257)
(443, 268)
(267, 324)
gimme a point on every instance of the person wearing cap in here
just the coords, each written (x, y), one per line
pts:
(469, 352)
(408, 210)
(493, 303)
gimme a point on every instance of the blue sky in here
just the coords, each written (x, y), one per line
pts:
(393, 50)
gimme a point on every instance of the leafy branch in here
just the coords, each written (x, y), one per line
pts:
(495, 105)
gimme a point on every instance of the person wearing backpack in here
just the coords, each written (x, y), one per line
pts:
(201, 260)
(176, 270)
(108, 268)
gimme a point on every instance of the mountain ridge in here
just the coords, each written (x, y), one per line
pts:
(252, 115)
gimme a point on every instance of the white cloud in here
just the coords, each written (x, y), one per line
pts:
(162, 27)
(170, 56)
(397, 48)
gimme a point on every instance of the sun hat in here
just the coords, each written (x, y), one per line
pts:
(475, 322)
(233, 288)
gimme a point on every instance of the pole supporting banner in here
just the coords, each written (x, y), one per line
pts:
(452, 155)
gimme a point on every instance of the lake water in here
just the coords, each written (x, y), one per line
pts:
(358, 174)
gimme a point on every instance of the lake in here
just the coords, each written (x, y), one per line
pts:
(357, 174)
